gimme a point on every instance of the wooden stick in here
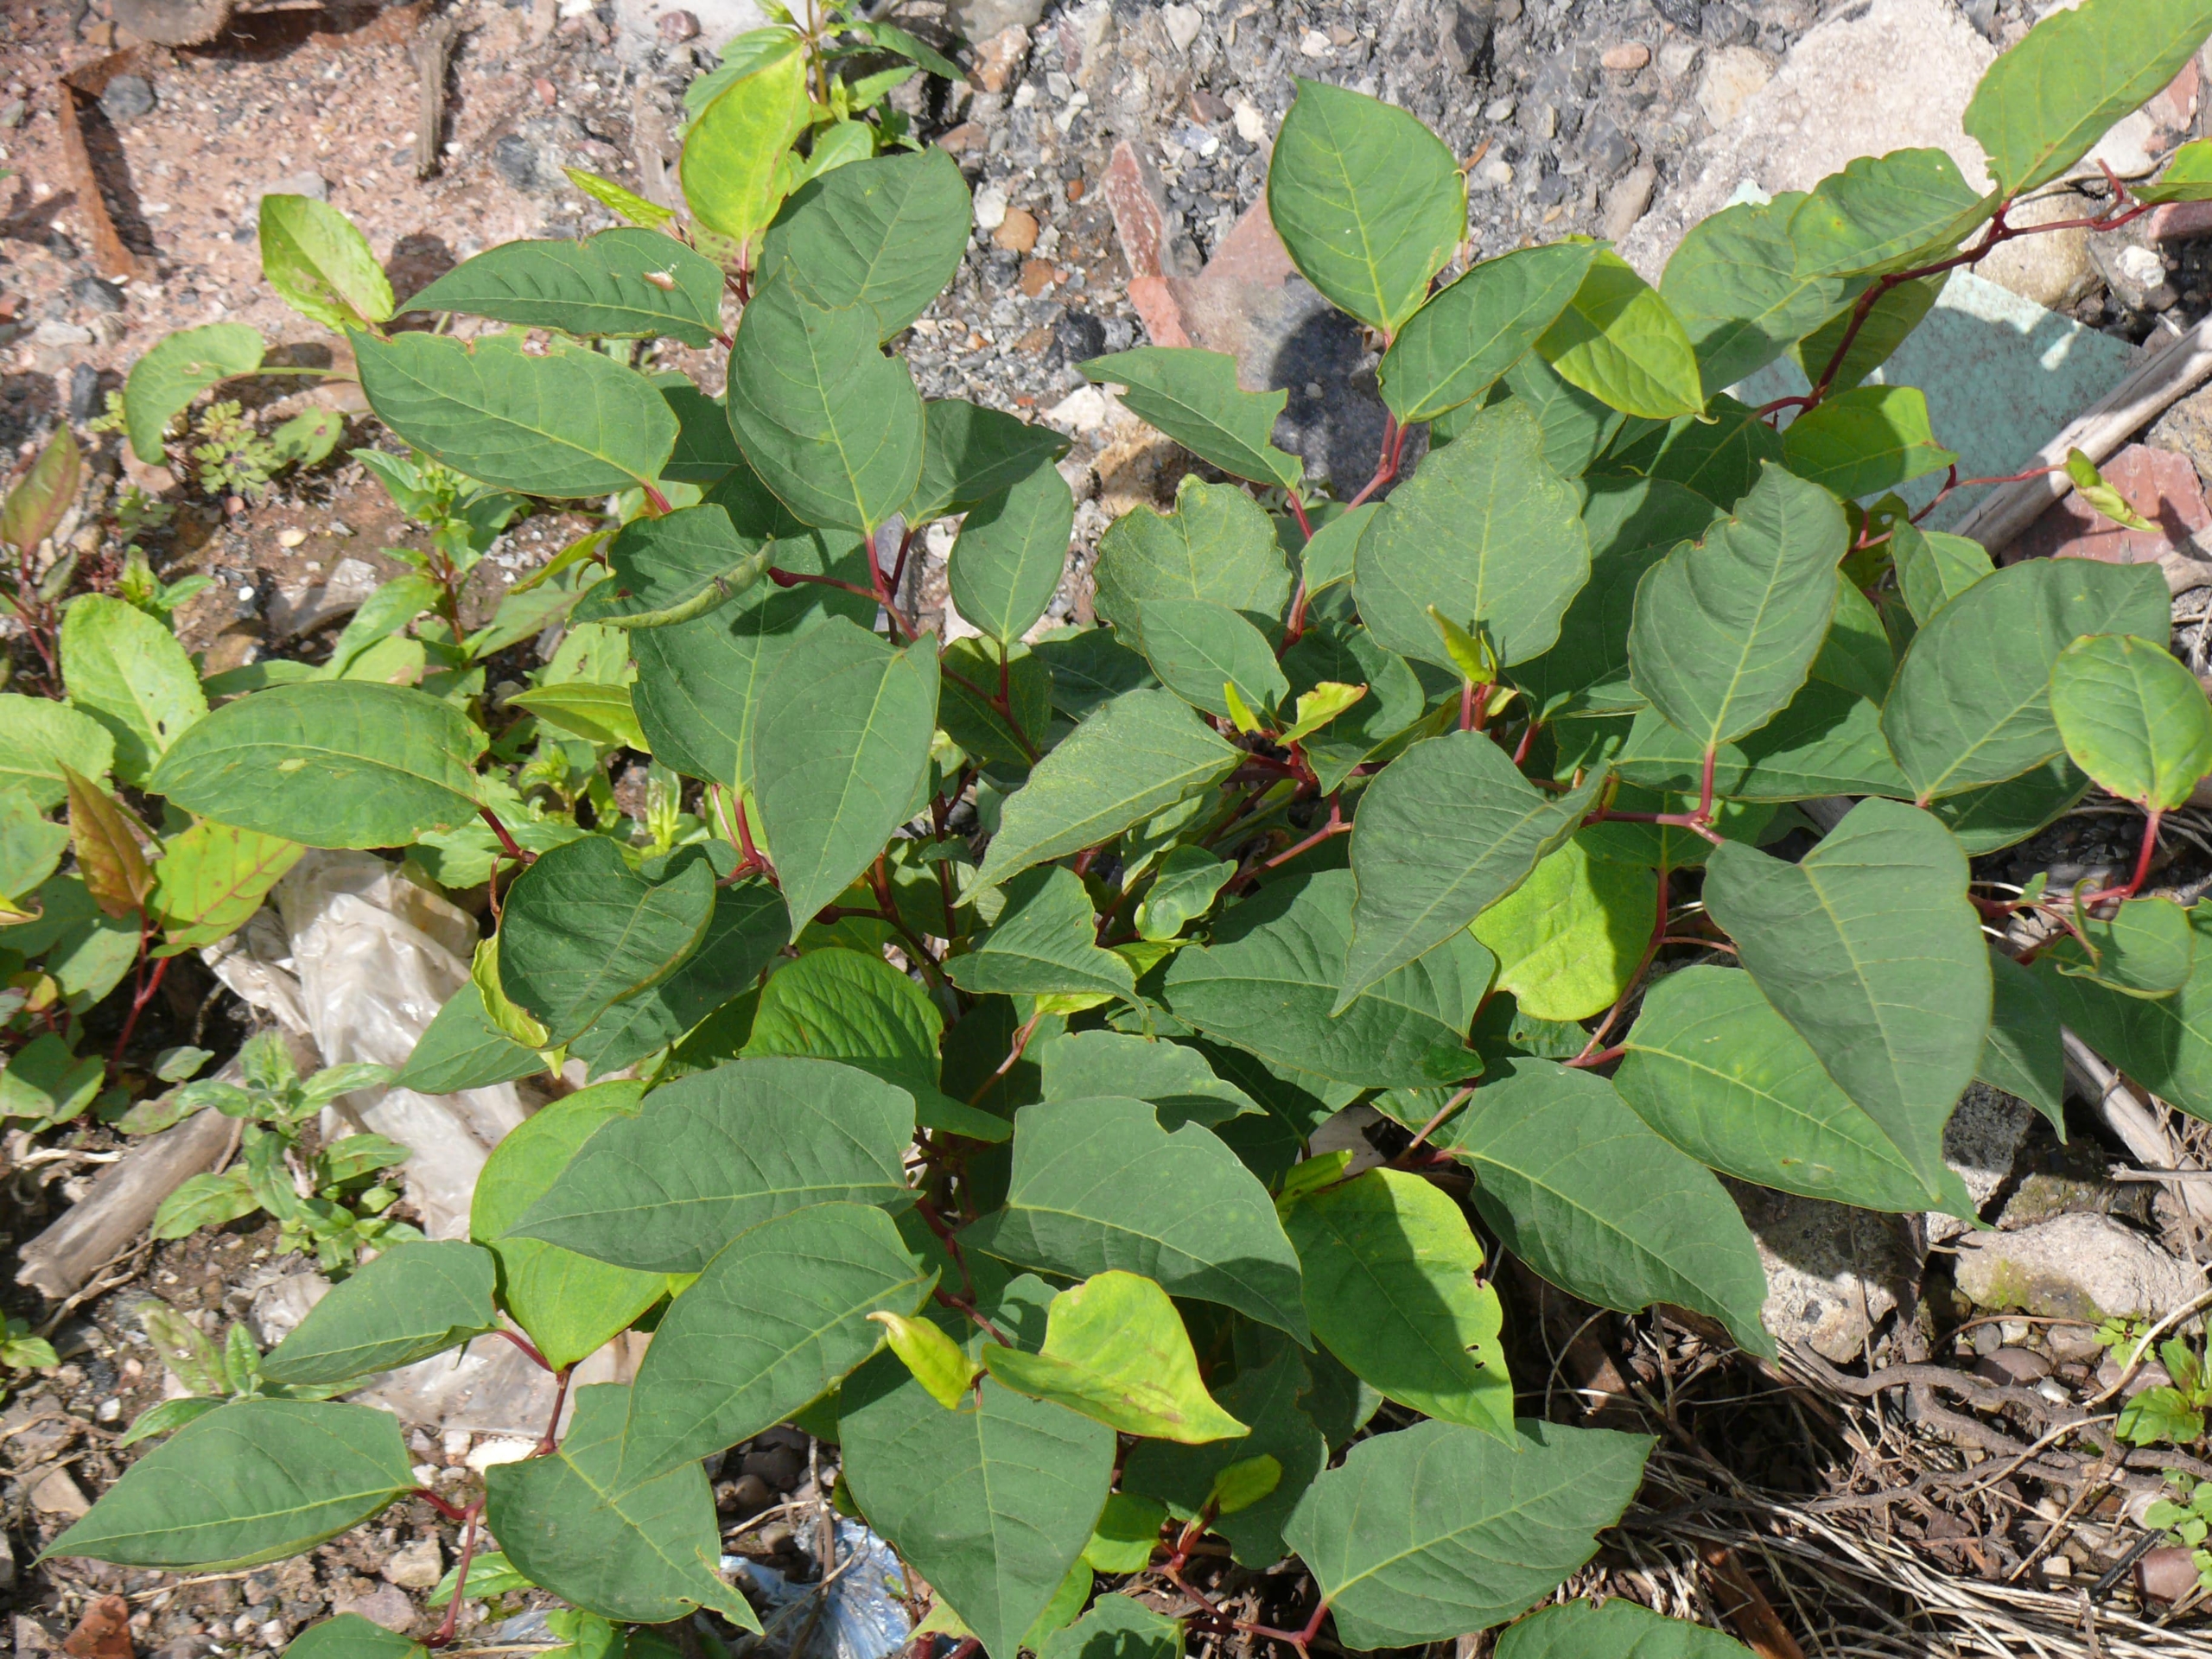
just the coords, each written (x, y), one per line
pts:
(432, 50)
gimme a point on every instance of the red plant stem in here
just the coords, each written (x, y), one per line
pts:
(1600, 1057)
(529, 1348)
(548, 1443)
(906, 544)
(1591, 1049)
(1480, 710)
(1298, 511)
(1459, 1099)
(2142, 864)
(139, 1000)
(1394, 444)
(1020, 1041)
(1295, 629)
(661, 509)
(451, 1511)
(784, 578)
(1528, 740)
(1705, 792)
(506, 840)
(461, 1577)
(1467, 705)
(1334, 824)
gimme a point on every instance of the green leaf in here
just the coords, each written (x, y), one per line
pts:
(1734, 285)
(1217, 544)
(1487, 533)
(462, 1049)
(2187, 176)
(1044, 943)
(627, 203)
(1619, 1630)
(1389, 1266)
(1117, 1627)
(938, 1363)
(1856, 656)
(1326, 559)
(2145, 948)
(1619, 341)
(2133, 717)
(832, 425)
(1934, 568)
(211, 878)
(772, 1320)
(1137, 754)
(1458, 343)
(627, 1549)
(842, 754)
(967, 713)
(1271, 974)
(743, 936)
(320, 264)
(2023, 1056)
(1726, 628)
(885, 233)
(30, 846)
(1443, 832)
(351, 1636)
(1972, 701)
(1437, 1529)
(47, 1085)
(1182, 891)
(992, 1502)
(1572, 1182)
(706, 449)
(736, 148)
(1568, 938)
(1716, 1070)
(598, 714)
(2164, 1043)
(1199, 648)
(1127, 1531)
(177, 369)
(257, 1481)
(1077, 1064)
(970, 454)
(1115, 1350)
(1719, 454)
(1098, 1186)
(1884, 214)
(1192, 395)
(1894, 315)
(580, 929)
(1868, 947)
(570, 1304)
(1011, 554)
(2041, 105)
(333, 763)
(1859, 442)
(409, 1303)
(572, 421)
(622, 282)
(1368, 202)
(716, 1153)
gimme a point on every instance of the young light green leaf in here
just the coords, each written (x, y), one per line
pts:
(1044, 943)
(1619, 341)
(1192, 395)
(2187, 176)
(935, 1361)
(1367, 200)
(1455, 347)
(832, 425)
(320, 264)
(1440, 1530)
(1568, 938)
(1574, 1184)
(992, 1502)
(598, 714)
(580, 929)
(333, 763)
(1012, 552)
(841, 755)
(257, 1481)
(128, 673)
(1485, 531)
(1972, 701)
(1389, 1266)
(409, 1303)
(2133, 717)
(1098, 1185)
(775, 1318)
(1128, 1532)
(572, 421)
(577, 1524)
(715, 1154)
(1115, 1350)
(1726, 628)
(1446, 831)
(887, 233)
(651, 215)
(1868, 947)
(1858, 442)
(1619, 1630)
(2041, 104)
(1137, 755)
(178, 368)
(1217, 544)
(1716, 1070)
(623, 282)
(735, 148)
(1885, 213)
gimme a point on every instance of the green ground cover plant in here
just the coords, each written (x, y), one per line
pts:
(978, 1000)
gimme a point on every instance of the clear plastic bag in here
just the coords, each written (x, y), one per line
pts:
(860, 1615)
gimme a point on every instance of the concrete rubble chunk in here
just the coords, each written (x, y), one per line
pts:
(2078, 1267)
(1832, 1273)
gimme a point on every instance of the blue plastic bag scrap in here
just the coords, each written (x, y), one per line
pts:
(853, 1612)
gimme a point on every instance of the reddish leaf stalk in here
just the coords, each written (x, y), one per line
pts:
(461, 1577)
(528, 1347)
(547, 1442)
(506, 842)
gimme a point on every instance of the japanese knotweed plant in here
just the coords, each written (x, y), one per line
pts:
(978, 999)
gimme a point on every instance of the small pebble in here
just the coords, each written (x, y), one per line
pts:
(1017, 232)
(1313, 44)
(291, 537)
(1629, 55)
(127, 97)
(677, 27)
(1498, 109)
(109, 1411)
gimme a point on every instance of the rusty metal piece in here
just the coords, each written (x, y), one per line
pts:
(80, 90)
